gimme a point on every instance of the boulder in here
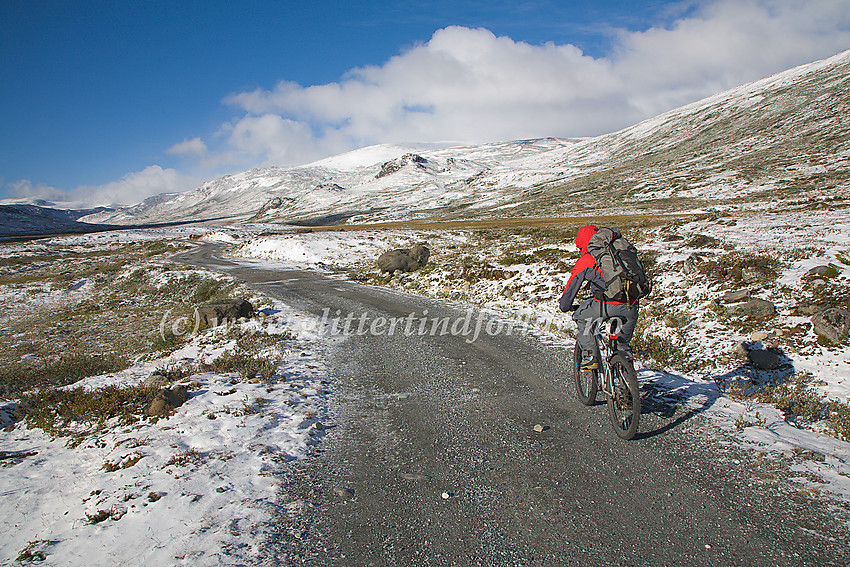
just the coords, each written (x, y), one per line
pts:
(404, 259)
(167, 400)
(828, 271)
(832, 324)
(755, 309)
(214, 314)
(765, 359)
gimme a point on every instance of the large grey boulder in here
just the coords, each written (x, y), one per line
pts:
(404, 259)
(832, 324)
(229, 310)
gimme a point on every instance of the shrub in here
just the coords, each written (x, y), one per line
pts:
(55, 410)
(248, 366)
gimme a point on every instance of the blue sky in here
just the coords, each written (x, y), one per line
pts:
(113, 101)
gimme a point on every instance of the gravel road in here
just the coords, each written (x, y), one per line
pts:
(431, 457)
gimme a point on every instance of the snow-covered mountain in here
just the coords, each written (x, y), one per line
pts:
(785, 138)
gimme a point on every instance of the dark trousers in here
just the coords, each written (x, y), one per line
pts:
(591, 313)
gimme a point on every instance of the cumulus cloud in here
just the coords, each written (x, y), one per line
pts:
(132, 188)
(194, 147)
(469, 85)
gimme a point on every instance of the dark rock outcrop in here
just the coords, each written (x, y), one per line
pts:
(404, 259)
(219, 312)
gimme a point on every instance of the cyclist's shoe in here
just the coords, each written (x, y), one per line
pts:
(588, 362)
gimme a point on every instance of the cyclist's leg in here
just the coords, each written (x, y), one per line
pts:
(627, 316)
(586, 318)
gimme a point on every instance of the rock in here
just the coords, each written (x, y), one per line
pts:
(540, 428)
(755, 309)
(759, 336)
(828, 271)
(220, 312)
(765, 359)
(155, 380)
(741, 350)
(168, 400)
(394, 165)
(403, 259)
(736, 296)
(832, 324)
(413, 476)
(343, 492)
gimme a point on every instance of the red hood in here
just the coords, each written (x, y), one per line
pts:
(583, 237)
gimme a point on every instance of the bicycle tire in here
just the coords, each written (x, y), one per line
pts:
(587, 382)
(624, 405)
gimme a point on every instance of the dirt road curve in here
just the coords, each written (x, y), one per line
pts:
(431, 458)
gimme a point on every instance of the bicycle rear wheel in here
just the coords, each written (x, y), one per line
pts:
(624, 405)
(586, 382)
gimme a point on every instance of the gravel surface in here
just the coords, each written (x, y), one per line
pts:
(432, 458)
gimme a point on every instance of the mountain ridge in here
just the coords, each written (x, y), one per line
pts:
(782, 138)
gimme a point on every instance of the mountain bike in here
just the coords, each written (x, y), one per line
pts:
(615, 376)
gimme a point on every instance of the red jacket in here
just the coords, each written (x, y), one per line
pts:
(585, 270)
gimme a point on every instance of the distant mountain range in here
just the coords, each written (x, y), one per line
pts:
(41, 219)
(781, 141)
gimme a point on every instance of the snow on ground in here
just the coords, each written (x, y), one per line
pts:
(328, 250)
(196, 488)
(199, 487)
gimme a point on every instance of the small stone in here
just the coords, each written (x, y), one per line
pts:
(540, 428)
(445, 495)
(759, 336)
(413, 476)
(343, 492)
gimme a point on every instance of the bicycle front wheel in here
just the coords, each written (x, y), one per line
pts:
(586, 381)
(624, 405)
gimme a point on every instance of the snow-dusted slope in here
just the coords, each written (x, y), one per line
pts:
(784, 137)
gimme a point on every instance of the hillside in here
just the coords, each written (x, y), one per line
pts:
(782, 139)
(29, 220)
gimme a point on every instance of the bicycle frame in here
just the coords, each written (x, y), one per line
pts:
(605, 337)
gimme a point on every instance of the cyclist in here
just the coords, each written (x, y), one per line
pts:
(595, 309)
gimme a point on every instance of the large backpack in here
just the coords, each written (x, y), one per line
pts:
(617, 258)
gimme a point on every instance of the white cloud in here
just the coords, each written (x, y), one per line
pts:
(194, 147)
(470, 85)
(132, 188)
